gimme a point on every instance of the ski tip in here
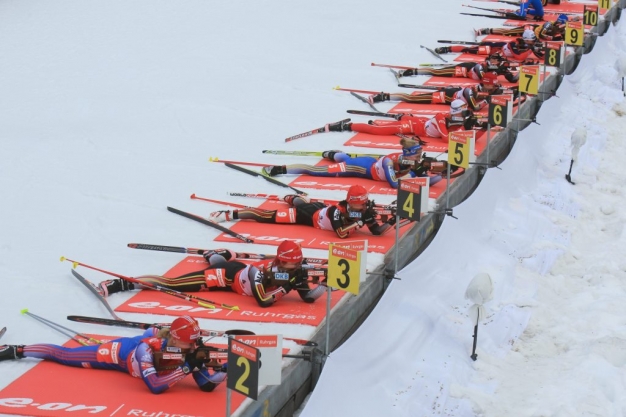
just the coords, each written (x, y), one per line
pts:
(192, 195)
(213, 159)
(24, 311)
(336, 87)
(62, 258)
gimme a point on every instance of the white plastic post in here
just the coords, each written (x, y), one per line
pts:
(479, 291)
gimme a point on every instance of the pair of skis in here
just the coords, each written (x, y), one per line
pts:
(203, 302)
(312, 132)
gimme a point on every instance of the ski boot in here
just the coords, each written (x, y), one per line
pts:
(292, 199)
(377, 98)
(341, 126)
(220, 216)
(273, 170)
(111, 286)
(8, 352)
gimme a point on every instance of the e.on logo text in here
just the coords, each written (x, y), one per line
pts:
(29, 402)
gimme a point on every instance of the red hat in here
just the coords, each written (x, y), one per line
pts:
(185, 329)
(490, 78)
(289, 251)
(357, 194)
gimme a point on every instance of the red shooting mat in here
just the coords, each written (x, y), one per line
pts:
(438, 145)
(367, 140)
(290, 309)
(50, 389)
(309, 237)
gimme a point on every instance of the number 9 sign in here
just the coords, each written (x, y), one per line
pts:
(574, 33)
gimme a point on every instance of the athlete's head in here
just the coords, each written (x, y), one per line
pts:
(529, 36)
(184, 331)
(494, 59)
(411, 150)
(288, 256)
(357, 198)
(490, 81)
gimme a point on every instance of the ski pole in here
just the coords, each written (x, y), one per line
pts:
(225, 161)
(195, 251)
(210, 200)
(62, 329)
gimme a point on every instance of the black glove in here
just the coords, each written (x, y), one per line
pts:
(392, 221)
(469, 123)
(299, 277)
(369, 215)
(287, 286)
(195, 359)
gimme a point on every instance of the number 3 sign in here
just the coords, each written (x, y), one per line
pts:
(344, 268)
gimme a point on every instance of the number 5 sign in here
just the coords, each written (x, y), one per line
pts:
(461, 148)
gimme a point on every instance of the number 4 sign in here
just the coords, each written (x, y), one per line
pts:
(413, 198)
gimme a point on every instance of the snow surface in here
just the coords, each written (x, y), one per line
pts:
(112, 109)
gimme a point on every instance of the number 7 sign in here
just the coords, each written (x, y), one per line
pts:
(529, 79)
